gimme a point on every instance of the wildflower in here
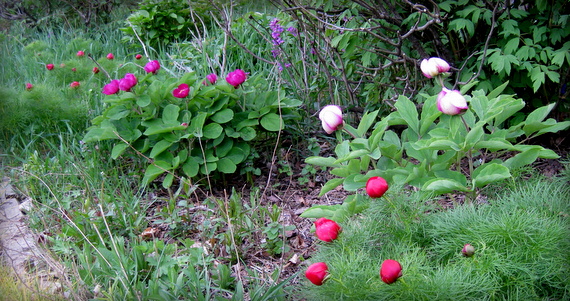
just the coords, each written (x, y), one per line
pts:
(50, 66)
(152, 66)
(390, 271)
(376, 187)
(138, 56)
(110, 56)
(74, 85)
(293, 31)
(127, 82)
(236, 78)
(212, 78)
(112, 87)
(29, 86)
(468, 250)
(95, 70)
(317, 273)
(73, 69)
(451, 102)
(433, 66)
(326, 229)
(80, 53)
(182, 91)
(331, 118)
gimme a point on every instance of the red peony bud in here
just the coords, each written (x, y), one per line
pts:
(376, 187)
(29, 86)
(95, 70)
(390, 271)
(80, 53)
(326, 229)
(74, 85)
(152, 66)
(110, 56)
(50, 66)
(468, 250)
(138, 56)
(73, 69)
(317, 273)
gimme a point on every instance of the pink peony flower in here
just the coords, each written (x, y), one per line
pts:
(326, 229)
(112, 87)
(182, 91)
(376, 187)
(212, 78)
(317, 273)
(29, 86)
(95, 70)
(331, 118)
(451, 102)
(433, 66)
(152, 66)
(390, 271)
(80, 53)
(50, 66)
(236, 78)
(127, 82)
(73, 69)
(110, 56)
(74, 85)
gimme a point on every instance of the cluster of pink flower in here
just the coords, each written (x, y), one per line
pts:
(234, 78)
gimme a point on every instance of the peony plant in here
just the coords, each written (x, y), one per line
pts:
(187, 128)
(450, 128)
(317, 273)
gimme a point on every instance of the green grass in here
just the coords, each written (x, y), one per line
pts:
(521, 240)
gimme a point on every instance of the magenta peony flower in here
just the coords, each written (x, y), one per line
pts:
(317, 273)
(110, 56)
(95, 70)
(50, 66)
(127, 82)
(390, 271)
(112, 87)
(433, 66)
(326, 229)
(80, 53)
(182, 91)
(451, 102)
(212, 78)
(74, 85)
(376, 187)
(331, 118)
(236, 78)
(29, 86)
(138, 56)
(152, 66)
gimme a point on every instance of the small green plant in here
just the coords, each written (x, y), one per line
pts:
(275, 241)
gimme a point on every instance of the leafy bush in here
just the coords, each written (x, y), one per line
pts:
(159, 22)
(371, 49)
(207, 131)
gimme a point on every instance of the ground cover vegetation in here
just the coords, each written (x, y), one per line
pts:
(155, 139)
